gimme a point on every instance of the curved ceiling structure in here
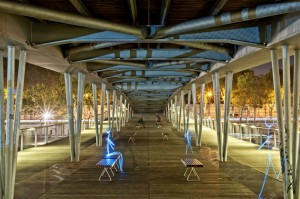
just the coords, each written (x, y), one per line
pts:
(148, 49)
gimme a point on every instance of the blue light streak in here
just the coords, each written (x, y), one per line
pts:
(110, 144)
(121, 161)
(269, 161)
(188, 139)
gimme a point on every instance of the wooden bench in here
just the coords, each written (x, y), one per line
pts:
(117, 157)
(165, 136)
(107, 163)
(191, 164)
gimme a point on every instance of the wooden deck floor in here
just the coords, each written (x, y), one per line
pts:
(152, 169)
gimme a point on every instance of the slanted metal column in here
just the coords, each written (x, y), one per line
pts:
(117, 114)
(201, 112)
(94, 88)
(176, 111)
(296, 147)
(124, 114)
(9, 122)
(103, 89)
(128, 112)
(167, 111)
(18, 108)
(195, 112)
(182, 110)
(287, 115)
(108, 108)
(113, 113)
(188, 111)
(69, 99)
(171, 111)
(228, 88)
(279, 113)
(216, 86)
(121, 112)
(2, 127)
(81, 82)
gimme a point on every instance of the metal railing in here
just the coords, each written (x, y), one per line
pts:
(253, 134)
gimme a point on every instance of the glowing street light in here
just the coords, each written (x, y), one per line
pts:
(46, 115)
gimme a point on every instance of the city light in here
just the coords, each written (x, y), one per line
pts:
(47, 115)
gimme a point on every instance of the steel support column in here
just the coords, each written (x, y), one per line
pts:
(296, 91)
(9, 123)
(176, 111)
(296, 125)
(188, 111)
(108, 108)
(216, 87)
(201, 112)
(80, 91)
(125, 113)
(94, 88)
(103, 90)
(287, 115)
(171, 114)
(18, 109)
(228, 88)
(2, 127)
(117, 114)
(69, 99)
(128, 112)
(113, 113)
(182, 109)
(280, 125)
(167, 112)
(121, 112)
(195, 112)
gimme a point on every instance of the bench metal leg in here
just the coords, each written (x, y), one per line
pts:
(165, 137)
(194, 172)
(131, 139)
(103, 173)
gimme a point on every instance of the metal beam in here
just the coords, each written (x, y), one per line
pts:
(229, 18)
(116, 62)
(154, 54)
(68, 18)
(84, 48)
(133, 11)
(217, 7)
(165, 5)
(205, 46)
(80, 7)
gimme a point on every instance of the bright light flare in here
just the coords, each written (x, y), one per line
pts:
(46, 115)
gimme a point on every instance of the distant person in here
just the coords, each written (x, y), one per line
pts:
(141, 121)
(158, 121)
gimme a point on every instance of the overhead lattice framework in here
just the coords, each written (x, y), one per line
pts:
(149, 48)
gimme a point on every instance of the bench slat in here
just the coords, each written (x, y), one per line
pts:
(106, 163)
(188, 162)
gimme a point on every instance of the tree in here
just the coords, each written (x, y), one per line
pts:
(240, 93)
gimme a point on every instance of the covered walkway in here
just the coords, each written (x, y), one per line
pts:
(152, 168)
